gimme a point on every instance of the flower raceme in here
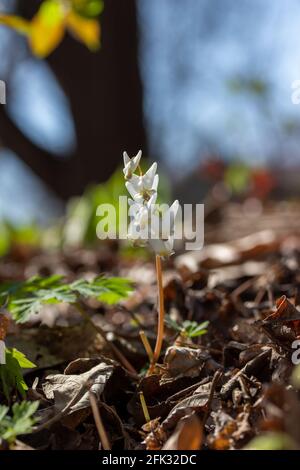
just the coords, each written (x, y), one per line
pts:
(148, 225)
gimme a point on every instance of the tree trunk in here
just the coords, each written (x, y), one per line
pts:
(105, 94)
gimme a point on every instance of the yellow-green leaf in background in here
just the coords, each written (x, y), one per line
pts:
(296, 377)
(47, 28)
(85, 30)
(15, 22)
(88, 8)
(271, 441)
(237, 177)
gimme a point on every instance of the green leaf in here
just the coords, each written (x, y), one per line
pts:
(271, 441)
(237, 177)
(47, 28)
(86, 30)
(3, 412)
(191, 329)
(295, 379)
(4, 239)
(88, 8)
(28, 297)
(20, 422)
(11, 377)
(194, 329)
(173, 324)
(22, 360)
(108, 290)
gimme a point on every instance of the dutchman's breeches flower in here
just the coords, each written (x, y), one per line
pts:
(147, 224)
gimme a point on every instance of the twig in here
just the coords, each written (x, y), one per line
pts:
(270, 295)
(187, 390)
(144, 407)
(260, 295)
(161, 314)
(256, 363)
(215, 380)
(147, 345)
(242, 288)
(98, 421)
(102, 333)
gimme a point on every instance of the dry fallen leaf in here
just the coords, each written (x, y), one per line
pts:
(188, 435)
(64, 388)
(186, 362)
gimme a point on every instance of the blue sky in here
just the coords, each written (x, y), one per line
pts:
(191, 50)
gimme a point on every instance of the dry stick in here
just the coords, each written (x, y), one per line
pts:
(187, 390)
(270, 296)
(215, 380)
(161, 314)
(260, 295)
(146, 345)
(98, 421)
(242, 288)
(144, 407)
(102, 333)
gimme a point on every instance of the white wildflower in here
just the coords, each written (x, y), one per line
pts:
(147, 224)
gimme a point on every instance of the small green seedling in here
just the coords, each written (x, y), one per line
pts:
(189, 329)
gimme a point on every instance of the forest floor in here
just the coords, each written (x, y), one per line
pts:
(225, 378)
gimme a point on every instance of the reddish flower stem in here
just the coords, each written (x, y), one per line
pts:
(161, 314)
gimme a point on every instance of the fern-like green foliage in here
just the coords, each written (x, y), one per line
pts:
(20, 422)
(108, 290)
(11, 377)
(28, 297)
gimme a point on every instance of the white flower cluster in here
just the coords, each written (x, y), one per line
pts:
(147, 224)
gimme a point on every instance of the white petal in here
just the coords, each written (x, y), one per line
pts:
(174, 208)
(127, 171)
(131, 189)
(152, 200)
(137, 182)
(136, 159)
(155, 183)
(162, 248)
(2, 353)
(148, 178)
(126, 158)
(139, 199)
(168, 221)
(173, 213)
(134, 210)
